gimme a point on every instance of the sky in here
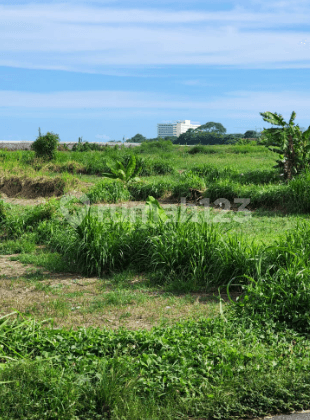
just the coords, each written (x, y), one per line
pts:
(109, 69)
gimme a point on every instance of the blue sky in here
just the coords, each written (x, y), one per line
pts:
(108, 69)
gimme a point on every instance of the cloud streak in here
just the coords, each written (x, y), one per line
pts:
(89, 38)
(237, 102)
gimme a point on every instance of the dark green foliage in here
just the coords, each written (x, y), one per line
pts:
(138, 138)
(45, 146)
(196, 137)
(192, 137)
(212, 127)
(250, 134)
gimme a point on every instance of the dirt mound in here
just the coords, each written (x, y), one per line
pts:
(32, 187)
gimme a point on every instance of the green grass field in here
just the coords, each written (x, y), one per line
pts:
(122, 307)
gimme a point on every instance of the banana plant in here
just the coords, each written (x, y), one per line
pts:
(125, 174)
(154, 211)
(292, 145)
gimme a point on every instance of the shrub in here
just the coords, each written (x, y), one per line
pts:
(45, 146)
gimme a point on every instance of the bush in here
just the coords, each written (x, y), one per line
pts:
(45, 146)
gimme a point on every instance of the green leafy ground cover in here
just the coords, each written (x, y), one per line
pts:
(246, 359)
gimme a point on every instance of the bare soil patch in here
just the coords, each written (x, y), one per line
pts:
(31, 188)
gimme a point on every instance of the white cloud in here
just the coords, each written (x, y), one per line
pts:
(89, 38)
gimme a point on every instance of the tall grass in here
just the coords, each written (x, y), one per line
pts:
(108, 191)
(292, 197)
(186, 251)
(155, 187)
(212, 173)
(186, 182)
(237, 149)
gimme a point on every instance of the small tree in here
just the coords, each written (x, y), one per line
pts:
(250, 134)
(45, 146)
(292, 145)
(212, 127)
(138, 138)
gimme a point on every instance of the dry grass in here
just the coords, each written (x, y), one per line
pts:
(74, 301)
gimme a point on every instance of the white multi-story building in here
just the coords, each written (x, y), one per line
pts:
(175, 129)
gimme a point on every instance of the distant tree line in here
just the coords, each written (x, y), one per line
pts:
(210, 133)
